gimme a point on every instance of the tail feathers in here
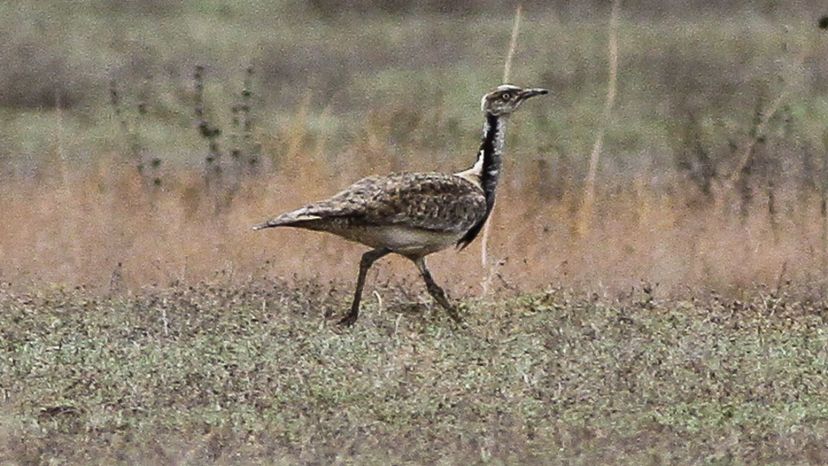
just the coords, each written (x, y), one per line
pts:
(295, 218)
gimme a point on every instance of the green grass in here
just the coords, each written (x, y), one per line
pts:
(258, 373)
(254, 373)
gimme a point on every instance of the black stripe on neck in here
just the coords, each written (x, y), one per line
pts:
(491, 158)
(489, 174)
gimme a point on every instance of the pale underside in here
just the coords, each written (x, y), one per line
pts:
(413, 214)
(408, 241)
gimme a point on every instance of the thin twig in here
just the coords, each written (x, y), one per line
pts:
(823, 205)
(208, 132)
(484, 242)
(758, 133)
(507, 67)
(70, 224)
(379, 302)
(251, 149)
(781, 277)
(595, 156)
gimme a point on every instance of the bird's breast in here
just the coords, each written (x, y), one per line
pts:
(401, 239)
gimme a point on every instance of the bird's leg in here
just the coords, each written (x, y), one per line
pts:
(364, 264)
(434, 290)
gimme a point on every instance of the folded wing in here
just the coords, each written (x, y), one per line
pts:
(430, 201)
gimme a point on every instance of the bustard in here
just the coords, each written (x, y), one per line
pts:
(416, 214)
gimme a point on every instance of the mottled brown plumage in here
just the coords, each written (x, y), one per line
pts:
(436, 202)
(416, 214)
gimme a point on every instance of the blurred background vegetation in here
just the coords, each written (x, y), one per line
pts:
(93, 93)
(140, 140)
(409, 65)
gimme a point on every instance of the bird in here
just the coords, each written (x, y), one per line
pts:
(417, 214)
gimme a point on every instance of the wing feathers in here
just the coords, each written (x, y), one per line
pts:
(430, 201)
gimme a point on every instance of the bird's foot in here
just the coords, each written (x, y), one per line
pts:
(455, 316)
(348, 320)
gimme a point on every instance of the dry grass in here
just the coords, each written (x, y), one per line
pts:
(78, 231)
(595, 156)
(194, 340)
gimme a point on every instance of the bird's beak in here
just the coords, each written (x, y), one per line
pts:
(532, 93)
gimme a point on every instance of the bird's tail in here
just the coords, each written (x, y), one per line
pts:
(268, 224)
(296, 218)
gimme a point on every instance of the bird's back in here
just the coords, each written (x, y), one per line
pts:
(399, 208)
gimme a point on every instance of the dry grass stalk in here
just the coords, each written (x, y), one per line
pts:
(823, 207)
(758, 132)
(507, 66)
(156, 243)
(126, 132)
(207, 131)
(244, 154)
(757, 136)
(70, 222)
(149, 170)
(484, 242)
(594, 157)
(251, 150)
(223, 178)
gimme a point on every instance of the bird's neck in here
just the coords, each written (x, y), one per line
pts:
(486, 169)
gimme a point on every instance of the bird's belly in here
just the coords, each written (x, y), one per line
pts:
(401, 239)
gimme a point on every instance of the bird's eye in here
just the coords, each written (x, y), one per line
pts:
(506, 96)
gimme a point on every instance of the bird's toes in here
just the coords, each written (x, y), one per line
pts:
(348, 320)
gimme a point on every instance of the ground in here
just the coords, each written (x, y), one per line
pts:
(120, 169)
(259, 373)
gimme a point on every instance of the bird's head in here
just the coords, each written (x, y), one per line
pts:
(506, 99)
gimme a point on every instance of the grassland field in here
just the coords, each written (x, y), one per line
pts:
(142, 322)
(260, 374)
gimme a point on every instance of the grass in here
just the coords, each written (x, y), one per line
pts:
(76, 232)
(144, 323)
(334, 102)
(356, 65)
(212, 374)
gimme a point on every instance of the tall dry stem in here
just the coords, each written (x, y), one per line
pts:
(823, 207)
(69, 223)
(484, 242)
(585, 217)
(208, 132)
(507, 66)
(758, 133)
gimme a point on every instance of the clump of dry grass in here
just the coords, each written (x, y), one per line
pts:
(78, 232)
(655, 218)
